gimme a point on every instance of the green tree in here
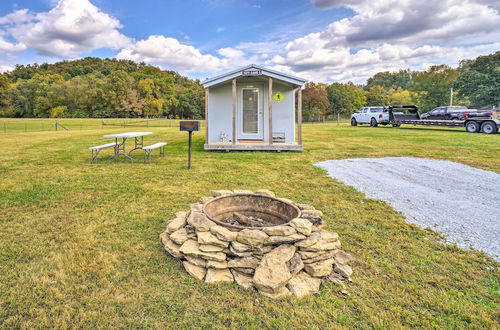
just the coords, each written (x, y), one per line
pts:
(377, 95)
(398, 79)
(5, 104)
(400, 97)
(345, 98)
(479, 80)
(432, 87)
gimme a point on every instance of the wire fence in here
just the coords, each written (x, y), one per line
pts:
(9, 125)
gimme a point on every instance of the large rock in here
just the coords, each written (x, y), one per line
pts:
(179, 236)
(181, 215)
(247, 262)
(304, 207)
(197, 261)
(278, 294)
(218, 275)
(265, 192)
(312, 239)
(242, 191)
(323, 246)
(320, 268)
(302, 226)
(282, 253)
(322, 256)
(244, 280)
(295, 264)
(305, 255)
(205, 199)
(312, 213)
(281, 230)
(252, 237)
(192, 248)
(239, 247)
(343, 270)
(248, 271)
(303, 285)
(170, 247)
(217, 193)
(286, 239)
(273, 273)
(211, 248)
(196, 207)
(176, 224)
(194, 270)
(343, 257)
(223, 233)
(208, 238)
(200, 221)
(217, 264)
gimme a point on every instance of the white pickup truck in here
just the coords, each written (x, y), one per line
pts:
(370, 115)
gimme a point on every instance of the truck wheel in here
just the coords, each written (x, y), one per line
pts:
(489, 127)
(472, 127)
(373, 122)
(354, 122)
(395, 125)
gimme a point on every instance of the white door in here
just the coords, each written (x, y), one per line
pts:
(250, 114)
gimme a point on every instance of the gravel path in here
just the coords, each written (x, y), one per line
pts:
(460, 201)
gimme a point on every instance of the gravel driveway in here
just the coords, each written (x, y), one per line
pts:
(459, 201)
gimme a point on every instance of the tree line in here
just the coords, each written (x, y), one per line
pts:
(98, 88)
(475, 83)
(105, 88)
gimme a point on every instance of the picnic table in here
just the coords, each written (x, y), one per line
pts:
(120, 146)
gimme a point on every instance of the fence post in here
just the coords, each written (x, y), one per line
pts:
(147, 121)
(56, 125)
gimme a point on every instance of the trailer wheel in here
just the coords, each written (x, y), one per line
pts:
(373, 122)
(489, 127)
(395, 125)
(354, 122)
(472, 127)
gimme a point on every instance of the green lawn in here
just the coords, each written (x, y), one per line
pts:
(79, 243)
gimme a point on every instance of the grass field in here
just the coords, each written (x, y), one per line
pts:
(79, 243)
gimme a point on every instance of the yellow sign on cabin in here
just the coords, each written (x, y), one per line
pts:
(278, 97)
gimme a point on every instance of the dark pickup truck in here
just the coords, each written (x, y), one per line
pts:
(454, 113)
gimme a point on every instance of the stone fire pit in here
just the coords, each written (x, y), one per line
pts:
(261, 242)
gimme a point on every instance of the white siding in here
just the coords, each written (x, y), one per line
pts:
(220, 110)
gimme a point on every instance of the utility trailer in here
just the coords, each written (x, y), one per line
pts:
(472, 124)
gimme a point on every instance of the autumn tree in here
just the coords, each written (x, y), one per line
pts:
(398, 79)
(315, 103)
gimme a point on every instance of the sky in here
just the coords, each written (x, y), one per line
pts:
(319, 40)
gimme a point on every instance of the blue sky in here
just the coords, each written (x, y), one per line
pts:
(322, 40)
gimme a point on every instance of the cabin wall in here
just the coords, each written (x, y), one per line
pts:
(220, 110)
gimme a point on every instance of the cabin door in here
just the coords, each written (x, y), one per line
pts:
(250, 113)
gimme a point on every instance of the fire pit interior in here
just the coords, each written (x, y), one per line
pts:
(250, 210)
(261, 242)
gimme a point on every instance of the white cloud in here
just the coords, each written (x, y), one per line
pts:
(68, 30)
(390, 35)
(220, 29)
(5, 68)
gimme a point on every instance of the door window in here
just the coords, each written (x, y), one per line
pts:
(250, 110)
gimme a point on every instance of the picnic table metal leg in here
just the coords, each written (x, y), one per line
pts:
(95, 153)
(120, 150)
(138, 143)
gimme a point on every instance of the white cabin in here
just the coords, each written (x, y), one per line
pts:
(253, 108)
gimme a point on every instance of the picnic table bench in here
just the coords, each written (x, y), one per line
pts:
(148, 149)
(95, 150)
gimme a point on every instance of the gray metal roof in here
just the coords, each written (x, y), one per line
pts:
(262, 72)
